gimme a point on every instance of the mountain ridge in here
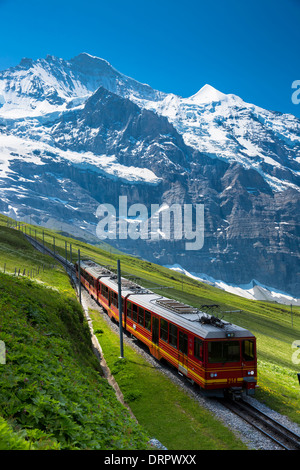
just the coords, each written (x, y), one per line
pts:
(77, 133)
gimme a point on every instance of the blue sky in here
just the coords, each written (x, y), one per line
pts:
(249, 48)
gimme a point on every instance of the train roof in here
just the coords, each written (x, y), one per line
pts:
(188, 317)
(200, 323)
(95, 269)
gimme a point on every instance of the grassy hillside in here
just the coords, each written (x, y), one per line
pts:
(52, 393)
(272, 323)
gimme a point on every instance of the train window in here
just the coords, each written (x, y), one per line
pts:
(183, 342)
(104, 291)
(141, 316)
(248, 350)
(173, 333)
(114, 298)
(129, 306)
(134, 312)
(223, 351)
(147, 320)
(164, 329)
(198, 348)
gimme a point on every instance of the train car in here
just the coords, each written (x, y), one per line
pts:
(217, 355)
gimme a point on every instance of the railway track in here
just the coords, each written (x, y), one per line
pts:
(44, 249)
(268, 426)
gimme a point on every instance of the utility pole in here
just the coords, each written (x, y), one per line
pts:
(43, 242)
(120, 310)
(79, 276)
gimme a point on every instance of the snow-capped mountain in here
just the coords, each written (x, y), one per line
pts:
(77, 133)
(214, 123)
(37, 88)
(226, 127)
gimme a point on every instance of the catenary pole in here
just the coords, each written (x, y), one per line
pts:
(120, 310)
(79, 276)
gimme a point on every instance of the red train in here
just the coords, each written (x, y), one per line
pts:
(217, 355)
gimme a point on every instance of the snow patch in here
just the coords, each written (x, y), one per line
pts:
(254, 290)
(12, 148)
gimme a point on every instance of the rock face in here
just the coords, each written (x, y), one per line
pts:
(76, 134)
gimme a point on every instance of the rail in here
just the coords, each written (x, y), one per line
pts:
(268, 426)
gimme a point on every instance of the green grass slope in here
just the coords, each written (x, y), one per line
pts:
(52, 393)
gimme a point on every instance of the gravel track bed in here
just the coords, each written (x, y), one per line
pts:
(246, 433)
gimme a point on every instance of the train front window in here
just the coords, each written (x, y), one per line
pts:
(223, 351)
(248, 350)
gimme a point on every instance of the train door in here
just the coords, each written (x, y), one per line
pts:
(183, 353)
(155, 329)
